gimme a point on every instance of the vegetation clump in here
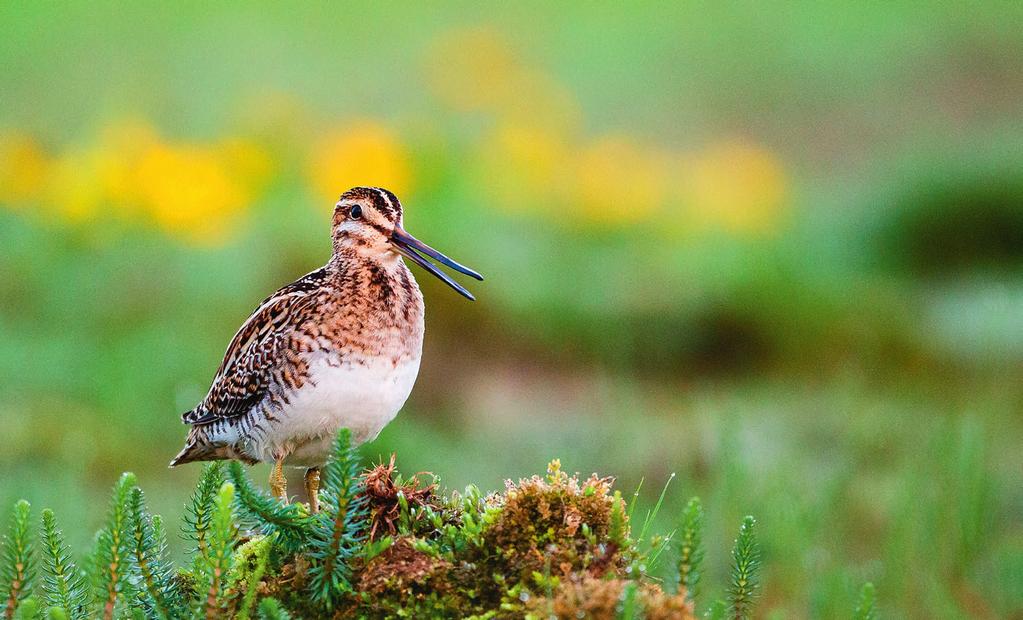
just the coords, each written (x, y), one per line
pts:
(403, 578)
(555, 520)
(385, 492)
(382, 547)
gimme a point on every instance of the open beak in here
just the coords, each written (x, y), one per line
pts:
(410, 247)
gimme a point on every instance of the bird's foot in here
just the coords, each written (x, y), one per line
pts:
(312, 487)
(278, 483)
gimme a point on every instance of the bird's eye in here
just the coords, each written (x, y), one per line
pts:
(355, 213)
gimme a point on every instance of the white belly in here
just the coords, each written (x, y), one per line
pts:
(361, 397)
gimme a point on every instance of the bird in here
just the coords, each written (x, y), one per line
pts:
(338, 348)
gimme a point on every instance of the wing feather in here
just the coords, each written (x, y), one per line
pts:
(256, 353)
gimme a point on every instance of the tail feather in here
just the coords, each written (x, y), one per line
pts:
(198, 447)
(196, 451)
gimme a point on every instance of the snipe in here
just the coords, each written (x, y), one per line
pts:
(338, 348)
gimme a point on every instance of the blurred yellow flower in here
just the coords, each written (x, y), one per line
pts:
(74, 188)
(279, 120)
(476, 69)
(121, 147)
(738, 186)
(470, 69)
(24, 166)
(619, 181)
(365, 153)
(247, 161)
(526, 167)
(539, 99)
(195, 191)
(189, 191)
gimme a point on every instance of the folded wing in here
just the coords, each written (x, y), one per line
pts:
(256, 354)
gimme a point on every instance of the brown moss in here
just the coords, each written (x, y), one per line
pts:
(402, 571)
(403, 578)
(290, 583)
(555, 525)
(658, 605)
(382, 491)
(601, 599)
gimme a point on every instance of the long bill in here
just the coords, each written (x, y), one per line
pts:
(410, 247)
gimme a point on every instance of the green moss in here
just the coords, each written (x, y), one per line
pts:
(556, 525)
(250, 572)
(406, 581)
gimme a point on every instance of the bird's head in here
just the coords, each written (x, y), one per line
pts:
(368, 223)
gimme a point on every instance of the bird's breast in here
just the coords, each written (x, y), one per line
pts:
(355, 364)
(359, 394)
(371, 315)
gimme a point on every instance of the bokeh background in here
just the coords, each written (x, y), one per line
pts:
(774, 248)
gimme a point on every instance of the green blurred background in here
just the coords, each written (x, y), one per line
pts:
(775, 248)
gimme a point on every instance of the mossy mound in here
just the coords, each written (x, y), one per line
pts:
(555, 522)
(557, 543)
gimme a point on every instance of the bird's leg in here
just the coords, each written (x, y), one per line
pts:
(278, 483)
(312, 487)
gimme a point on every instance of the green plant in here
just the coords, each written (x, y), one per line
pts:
(259, 549)
(63, 584)
(865, 608)
(17, 570)
(382, 546)
(199, 511)
(745, 566)
(112, 548)
(149, 553)
(270, 609)
(337, 530)
(288, 523)
(690, 551)
(222, 538)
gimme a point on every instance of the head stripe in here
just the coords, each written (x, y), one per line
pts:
(381, 199)
(386, 195)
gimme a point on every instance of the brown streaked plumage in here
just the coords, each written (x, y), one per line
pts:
(339, 347)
